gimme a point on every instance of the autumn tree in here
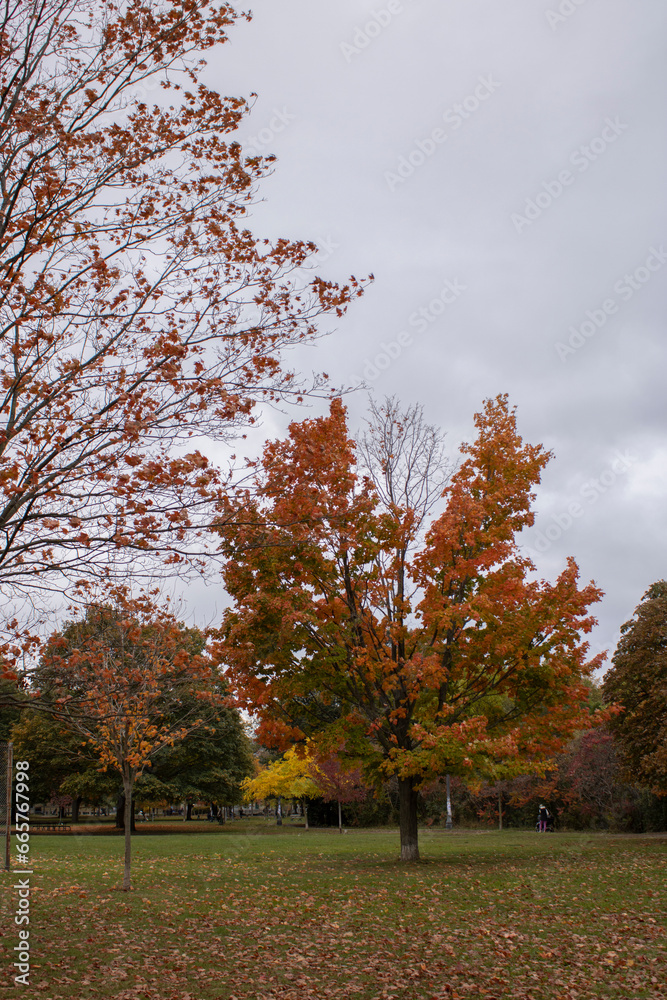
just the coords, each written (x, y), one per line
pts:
(336, 784)
(138, 313)
(207, 763)
(637, 680)
(121, 678)
(289, 777)
(430, 645)
(303, 774)
(62, 762)
(590, 779)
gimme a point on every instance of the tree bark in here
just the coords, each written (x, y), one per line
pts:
(120, 814)
(305, 813)
(407, 798)
(76, 805)
(448, 823)
(340, 818)
(279, 813)
(188, 814)
(500, 808)
(127, 788)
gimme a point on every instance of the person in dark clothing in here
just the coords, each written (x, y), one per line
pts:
(543, 817)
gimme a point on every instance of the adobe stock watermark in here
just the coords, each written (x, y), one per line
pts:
(625, 289)
(582, 159)
(147, 89)
(589, 494)
(419, 320)
(22, 885)
(453, 117)
(565, 10)
(326, 248)
(254, 144)
(380, 18)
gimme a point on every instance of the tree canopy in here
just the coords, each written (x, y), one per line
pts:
(138, 313)
(130, 681)
(210, 762)
(637, 680)
(289, 777)
(423, 648)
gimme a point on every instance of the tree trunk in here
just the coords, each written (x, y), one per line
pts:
(448, 823)
(407, 799)
(127, 788)
(340, 819)
(500, 808)
(76, 805)
(120, 814)
(305, 813)
(279, 813)
(188, 813)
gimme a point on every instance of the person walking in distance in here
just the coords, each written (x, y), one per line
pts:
(543, 816)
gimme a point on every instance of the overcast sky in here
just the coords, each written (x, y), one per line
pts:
(500, 168)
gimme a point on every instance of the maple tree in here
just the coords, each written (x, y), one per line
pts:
(138, 313)
(289, 777)
(303, 774)
(637, 680)
(208, 763)
(336, 784)
(120, 678)
(427, 648)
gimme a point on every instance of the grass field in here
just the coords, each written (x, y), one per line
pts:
(257, 911)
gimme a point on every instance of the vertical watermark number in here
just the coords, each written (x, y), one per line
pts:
(22, 916)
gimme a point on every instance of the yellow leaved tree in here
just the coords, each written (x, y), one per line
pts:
(290, 777)
(307, 775)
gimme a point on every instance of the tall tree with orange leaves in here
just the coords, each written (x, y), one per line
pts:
(138, 313)
(424, 648)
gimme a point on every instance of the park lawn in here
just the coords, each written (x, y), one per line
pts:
(250, 911)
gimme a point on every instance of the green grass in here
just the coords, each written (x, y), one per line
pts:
(250, 910)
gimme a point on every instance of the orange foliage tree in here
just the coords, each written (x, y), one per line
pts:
(123, 678)
(425, 654)
(137, 311)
